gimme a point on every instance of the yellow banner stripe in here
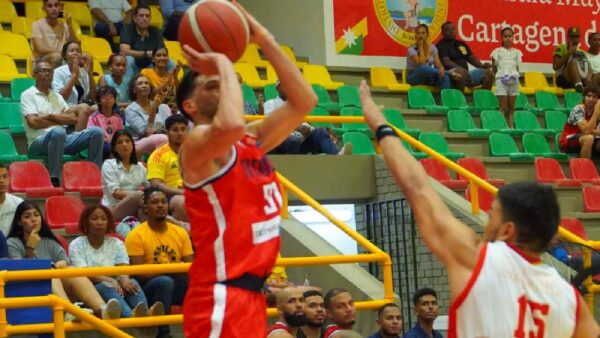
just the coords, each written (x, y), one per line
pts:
(359, 29)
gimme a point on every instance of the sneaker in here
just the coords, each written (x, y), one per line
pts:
(579, 87)
(71, 318)
(157, 309)
(111, 310)
(140, 310)
(55, 182)
(346, 149)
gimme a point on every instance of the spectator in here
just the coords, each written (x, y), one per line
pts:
(122, 177)
(593, 55)
(117, 79)
(163, 80)
(569, 62)
(423, 65)
(9, 202)
(340, 311)
(315, 314)
(3, 246)
(105, 117)
(456, 56)
(49, 34)
(578, 135)
(248, 106)
(46, 113)
(506, 61)
(139, 39)
(163, 166)
(157, 241)
(74, 81)
(172, 11)
(290, 306)
(30, 237)
(389, 319)
(108, 17)
(426, 309)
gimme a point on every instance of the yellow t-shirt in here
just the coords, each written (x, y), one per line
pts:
(159, 248)
(164, 164)
(278, 274)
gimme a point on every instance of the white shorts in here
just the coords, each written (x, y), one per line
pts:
(506, 90)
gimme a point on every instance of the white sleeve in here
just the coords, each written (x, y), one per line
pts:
(93, 4)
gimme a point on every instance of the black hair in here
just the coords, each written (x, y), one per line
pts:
(148, 191)
(175, 118)
(155, 50)
(422, 25)
(16, 229)
(591, 36)
(381, 309)
(112, 57)
(3, 166)
(330, 294)
(132, 94)
(185, 90)
(533, 209)
(104, 90)
(423, 292)
(311, 293)
(444, 26)
(507, 28)
(113, 146)
(66, 47)
(588, 90)
(141, 6)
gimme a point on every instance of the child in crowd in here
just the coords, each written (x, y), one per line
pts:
(505, 62)
(162, 79)
(117, 79)
(106, 117)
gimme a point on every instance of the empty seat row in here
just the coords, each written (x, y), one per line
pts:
(439, 172)
(313, 74)
(534, 145)
(492, 120)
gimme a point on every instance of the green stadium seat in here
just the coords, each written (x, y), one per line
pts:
(5, 99)
(394, 116)
(461, 121)
(324, 98)
(572, 99)
(455, 99)
(504, 145)
(548, 101)
(18, 86)
(361, 144)
(8, 150)
(522, 103)
(538, 146)
(421, 98)
(359, 127)
(528, 122)
(485, 100)
(10, 117)
(270, 92)
(249, 95)
(493, 120)
(318, 111)
(438, 143)
(555, 120)
(416, 154)
(348, 96)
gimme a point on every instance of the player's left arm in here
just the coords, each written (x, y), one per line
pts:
(301, 99)
(586, 327)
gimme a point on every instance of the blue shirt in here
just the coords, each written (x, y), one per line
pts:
(167, 7)
(418, 332)
(378, 335)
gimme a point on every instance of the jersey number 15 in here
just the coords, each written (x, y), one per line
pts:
(538, 311)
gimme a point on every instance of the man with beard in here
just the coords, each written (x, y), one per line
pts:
(426, 309)
(389, 321)
(341, 312)
(314, 310)
(290, 305)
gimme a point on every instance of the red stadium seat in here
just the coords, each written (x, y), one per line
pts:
(575, 226)
(548, 170)
(485, 199)
(475, 166)
(64, 212)
(63, 242)
(83, 177)
(591, 198)
(33, 179)
(437, 170)
(584, 169)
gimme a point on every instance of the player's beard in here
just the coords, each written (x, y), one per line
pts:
(294, 320)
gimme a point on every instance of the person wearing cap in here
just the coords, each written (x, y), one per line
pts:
(569, 62)
(593, 57)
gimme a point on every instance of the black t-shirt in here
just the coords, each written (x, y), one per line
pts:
(131, 37)
(456, 50)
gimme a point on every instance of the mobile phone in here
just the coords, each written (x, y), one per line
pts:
(61, 14)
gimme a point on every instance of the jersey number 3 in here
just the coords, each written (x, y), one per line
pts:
(272, 197)
(538, 312)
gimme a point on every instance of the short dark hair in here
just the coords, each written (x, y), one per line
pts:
(591, 36)
(175, 118)
(104, 90)
(185, 90)
(141, 6)
(311, 293)
(112, 57)
(84, 219)
(148, 191)
(444, 26)
(132, 94)
(381, 309)
(155, 50)
(3, 166)
(507, 28)
(590, 89)
(66, 46)
(330, 294)
(113, 146)
(534, 210)
(423, 292)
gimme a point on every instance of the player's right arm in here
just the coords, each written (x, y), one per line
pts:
(586, 327)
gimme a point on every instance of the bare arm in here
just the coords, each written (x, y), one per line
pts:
(587, 326)
(587, 127)
(447, 63)
(39, 47)
(156, 182)
(474, 61)
(437, 62)
(126, 50)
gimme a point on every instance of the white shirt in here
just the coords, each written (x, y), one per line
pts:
(7, 212)
(35, 102)
(112, 252)
(114, 176)
(113, 9)
(272, 104)
(507, 61)
(62, 75)
(594, 62)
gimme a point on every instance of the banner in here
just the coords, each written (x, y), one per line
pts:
(386, 27)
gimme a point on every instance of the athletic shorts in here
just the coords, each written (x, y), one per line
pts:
(572, 146)
(506, 90)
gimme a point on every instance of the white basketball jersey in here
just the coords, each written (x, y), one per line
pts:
(512, 295)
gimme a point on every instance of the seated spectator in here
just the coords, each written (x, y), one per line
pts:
(163, 166)
(157, 241)
(315, 314)
(578, 135)
(593, 55)
(145, 116)
(117, 64)
(122, 177)
(45, 114)
(248, 107)
(139, 39)
(74, 81)
(389, 319)
(30, 237)
(108, 19)
(423, 65)
(49, 34)
(290, 307)
(426, 309)
(9, 202)
(105, 117)
(163, 80)
(569, 62)
(172, 11)
(340, 310)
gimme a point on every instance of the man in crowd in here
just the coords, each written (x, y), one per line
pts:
(49, 34)
(108, 15)
(8, 202)
(172, 11)
(314, 310)
(569, 62)
(389, 319)
(593, 56)
(290, 306)
(426, 309)
(340, 309)
(456, 57)
(578, 135)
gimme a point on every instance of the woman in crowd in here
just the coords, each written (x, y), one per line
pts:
(161, 78)
(74, 81)
(423, 65)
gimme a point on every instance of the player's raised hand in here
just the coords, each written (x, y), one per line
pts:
(257, 30)
(371, 111)
(205, 63)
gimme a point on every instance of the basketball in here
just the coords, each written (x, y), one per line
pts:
(215, 26)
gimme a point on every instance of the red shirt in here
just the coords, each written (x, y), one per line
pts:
(278, 326)
(576, 115)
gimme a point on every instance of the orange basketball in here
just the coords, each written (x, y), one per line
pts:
(215, 26)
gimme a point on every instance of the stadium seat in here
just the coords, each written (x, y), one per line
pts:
(80, 12)
(537, 145)
(156, 17)
(475, 166)
(287, 50)
(455, 99)
(348, 96)
(97, 47)
(21, 25)
(440, 173)
(252, 56)
(591, 198)
(8, 150)
(494, 121)
(270, 92)
(415, 153)
(361, 144)
(79, 32)
(358, 127)
(7, 12)
(526, 121)
(175, 52)
(438, 143)
(584, 169)
(34, 9)
(548, 170)
(15, 46)
(548, 101)
(484, 197)
(421, 98)
(318, 74)
(460, 121)
(324, 100)
(394, 116)
(575, 226)
(8, 69)
(99, 71)
(272, 76)
(504, 145)
(485, 100)
(537, 81)
(384, 77)
(11, 117)
(63, 212)
(249, 95)
(33, 179)
(88, 185)
(318, 111)
(18, 86)
(555, 120)
(572, 99)
(249, 75)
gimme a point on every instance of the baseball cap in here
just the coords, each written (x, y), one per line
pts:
(573, 31)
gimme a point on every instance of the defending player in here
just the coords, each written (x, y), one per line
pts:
(231, 191)
(498, 285)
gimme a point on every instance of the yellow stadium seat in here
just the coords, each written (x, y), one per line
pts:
(430, 88)
(250, 75)
(8, 69)
(7, 11)
(535, 81)
(384, 77)
(272, 74)
(16, 46)
(318, 74)
(22, 25)
(34, 9)
(252, 56)
(98, 71)
(175, 52)
(29, 67)
(290, 53)
(156, 18)
(80, 12)
(78, 32)
(97, 47)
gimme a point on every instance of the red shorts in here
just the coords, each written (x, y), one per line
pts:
(224, 311)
